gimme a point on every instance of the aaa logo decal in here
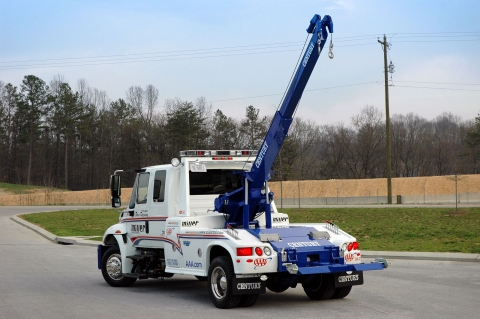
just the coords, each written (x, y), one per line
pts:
(349, 257)
(260, 262)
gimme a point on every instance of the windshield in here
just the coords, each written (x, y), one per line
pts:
(214, 181)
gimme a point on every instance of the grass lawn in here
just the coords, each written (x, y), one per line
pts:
(17, 188)
(402, 229)
(88, 222)
(390, 229)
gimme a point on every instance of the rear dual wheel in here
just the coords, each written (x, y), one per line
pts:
(220, 286)
(320, 287)
(341, 292)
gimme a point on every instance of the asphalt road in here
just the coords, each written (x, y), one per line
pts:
(40, 279)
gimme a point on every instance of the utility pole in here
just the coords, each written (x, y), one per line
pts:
(387, 114)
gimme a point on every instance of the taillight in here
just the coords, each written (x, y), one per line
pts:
(245, 251)
(258, 251)
(352, 246)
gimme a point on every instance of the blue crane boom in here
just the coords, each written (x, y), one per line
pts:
(243, 204)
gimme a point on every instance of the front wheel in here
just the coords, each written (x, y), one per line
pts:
(112, 269)
(220, 275)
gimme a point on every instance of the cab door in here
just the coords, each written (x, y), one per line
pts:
(138, 224)
(141, 201)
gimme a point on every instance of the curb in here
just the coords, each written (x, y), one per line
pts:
(462, 257)
(59, 240)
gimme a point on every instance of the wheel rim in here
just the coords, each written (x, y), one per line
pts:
(219, 283)
(114, 266)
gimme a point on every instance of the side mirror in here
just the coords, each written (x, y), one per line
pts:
(116, 202)
(115, 191)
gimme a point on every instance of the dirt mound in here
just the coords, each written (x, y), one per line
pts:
(433, 185)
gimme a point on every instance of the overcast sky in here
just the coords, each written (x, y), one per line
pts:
(237, 53)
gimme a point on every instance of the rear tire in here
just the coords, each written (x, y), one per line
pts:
(321, 287)
(341, 292)
(248, 300)
(112, 269)
(220, 275)
(276, 284)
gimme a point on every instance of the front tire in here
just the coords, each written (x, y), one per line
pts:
(321, 287)
(112, 269)
(220, 275)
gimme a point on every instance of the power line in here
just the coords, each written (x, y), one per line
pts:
(350, 85)
(245, 47)
(87, 63)
(310, 90)
(434, 88)
(214, 52)
(423, 41)
(445, 83)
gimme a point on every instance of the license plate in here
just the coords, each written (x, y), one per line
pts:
(197, 167)
(350, 278)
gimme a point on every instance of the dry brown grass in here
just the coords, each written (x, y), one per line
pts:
(49, 197)
(435, 185)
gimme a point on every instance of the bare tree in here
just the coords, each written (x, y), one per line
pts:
(367, 153)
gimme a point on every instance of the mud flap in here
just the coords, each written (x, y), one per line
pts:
(247, 286)
(349, 278)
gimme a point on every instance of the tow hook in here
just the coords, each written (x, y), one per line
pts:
(383, 261)
(292, 268)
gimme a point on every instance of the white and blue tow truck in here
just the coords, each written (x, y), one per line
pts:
(210, 214)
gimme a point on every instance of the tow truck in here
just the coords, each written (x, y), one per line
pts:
(211, 214)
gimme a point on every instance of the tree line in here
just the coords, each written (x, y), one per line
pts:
(54, 135)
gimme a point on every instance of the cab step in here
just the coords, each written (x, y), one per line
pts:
(133, 275)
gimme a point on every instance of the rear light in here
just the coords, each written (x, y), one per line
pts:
(267, 251)
(216, 158)
(352, 246)
(258, 251)
(245, 251)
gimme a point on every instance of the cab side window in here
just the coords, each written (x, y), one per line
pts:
(159, 186)
(142, 190)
